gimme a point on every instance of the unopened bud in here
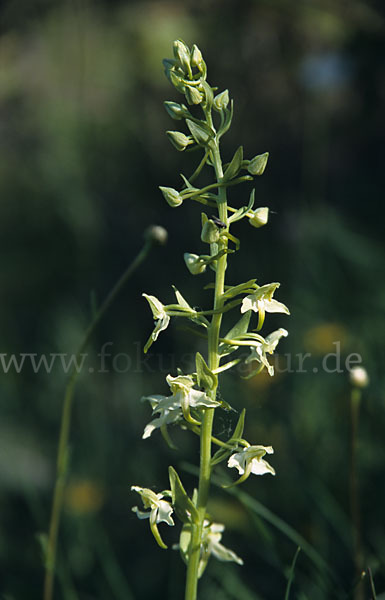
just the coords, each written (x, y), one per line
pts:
(176, 81)
(194, 263)
(179, 140)
(182, 53)
(193, 95)
(157, 234)
(260, 217)
(221, 101)
(258, 164)
(359, 377)
(175, 110)
(196, 57)
(172, 197)
(210, 232)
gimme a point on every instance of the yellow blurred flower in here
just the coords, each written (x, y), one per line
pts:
(84, 496)
(320, 339)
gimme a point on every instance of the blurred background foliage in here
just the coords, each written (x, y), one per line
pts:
(83, 151)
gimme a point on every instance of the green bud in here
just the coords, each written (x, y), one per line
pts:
(196, 57)
(179, 140)
(176, 81)
(194, 263)
(172, 197)
(193, 95)
(258, 164)
(182, 53)
(176, 111)
(221, 101)
(260, 217)
(210, 232)
(168, 64)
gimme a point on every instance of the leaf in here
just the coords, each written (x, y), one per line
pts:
(223, 453)
(181, 301)
(226, 121)
(205, 377)
(183, 506)
(291, 574)
(235, 165)
(239, 329)
(241, 288)
(200, 133)
(188, 184)
(241, 212)
(238, 431)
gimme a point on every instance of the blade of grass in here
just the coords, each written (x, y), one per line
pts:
(372, 588)
(291, 574)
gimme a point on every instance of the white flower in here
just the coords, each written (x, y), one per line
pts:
(210, 545)
(211, 537)
(260, 349)
(250, 460)
(175, 407)
(160, 510)
(262, 301)
(160, 316)
(359, 377)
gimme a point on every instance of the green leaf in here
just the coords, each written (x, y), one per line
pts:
(205, 377)
(226, 119)
(188, 184)
(181, 301)
(200, 133)
(238, 431)
(241, 212)
(183, 506)
(235, 165)
(239, 329)
(291, 574)
(223, 453)
(235, 290)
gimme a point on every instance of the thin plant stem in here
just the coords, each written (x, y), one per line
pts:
(355, 401)
(213, 363)
(65, 423)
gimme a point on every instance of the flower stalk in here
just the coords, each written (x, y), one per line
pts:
(194, 401)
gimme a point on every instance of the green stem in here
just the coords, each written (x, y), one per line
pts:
(213, 363)
(65, 425)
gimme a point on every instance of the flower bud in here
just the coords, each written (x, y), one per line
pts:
(260, 216)
(221, 101)
(359, 377)
(182, 53)
(176, 81)
(210, 232)
(157, 234)
(196, 57)
(176, 111)
(194, 263)
(172, 197)
(179, 140)
(193, 95)
(258, 164)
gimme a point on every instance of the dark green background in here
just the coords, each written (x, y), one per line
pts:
(83, 150)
